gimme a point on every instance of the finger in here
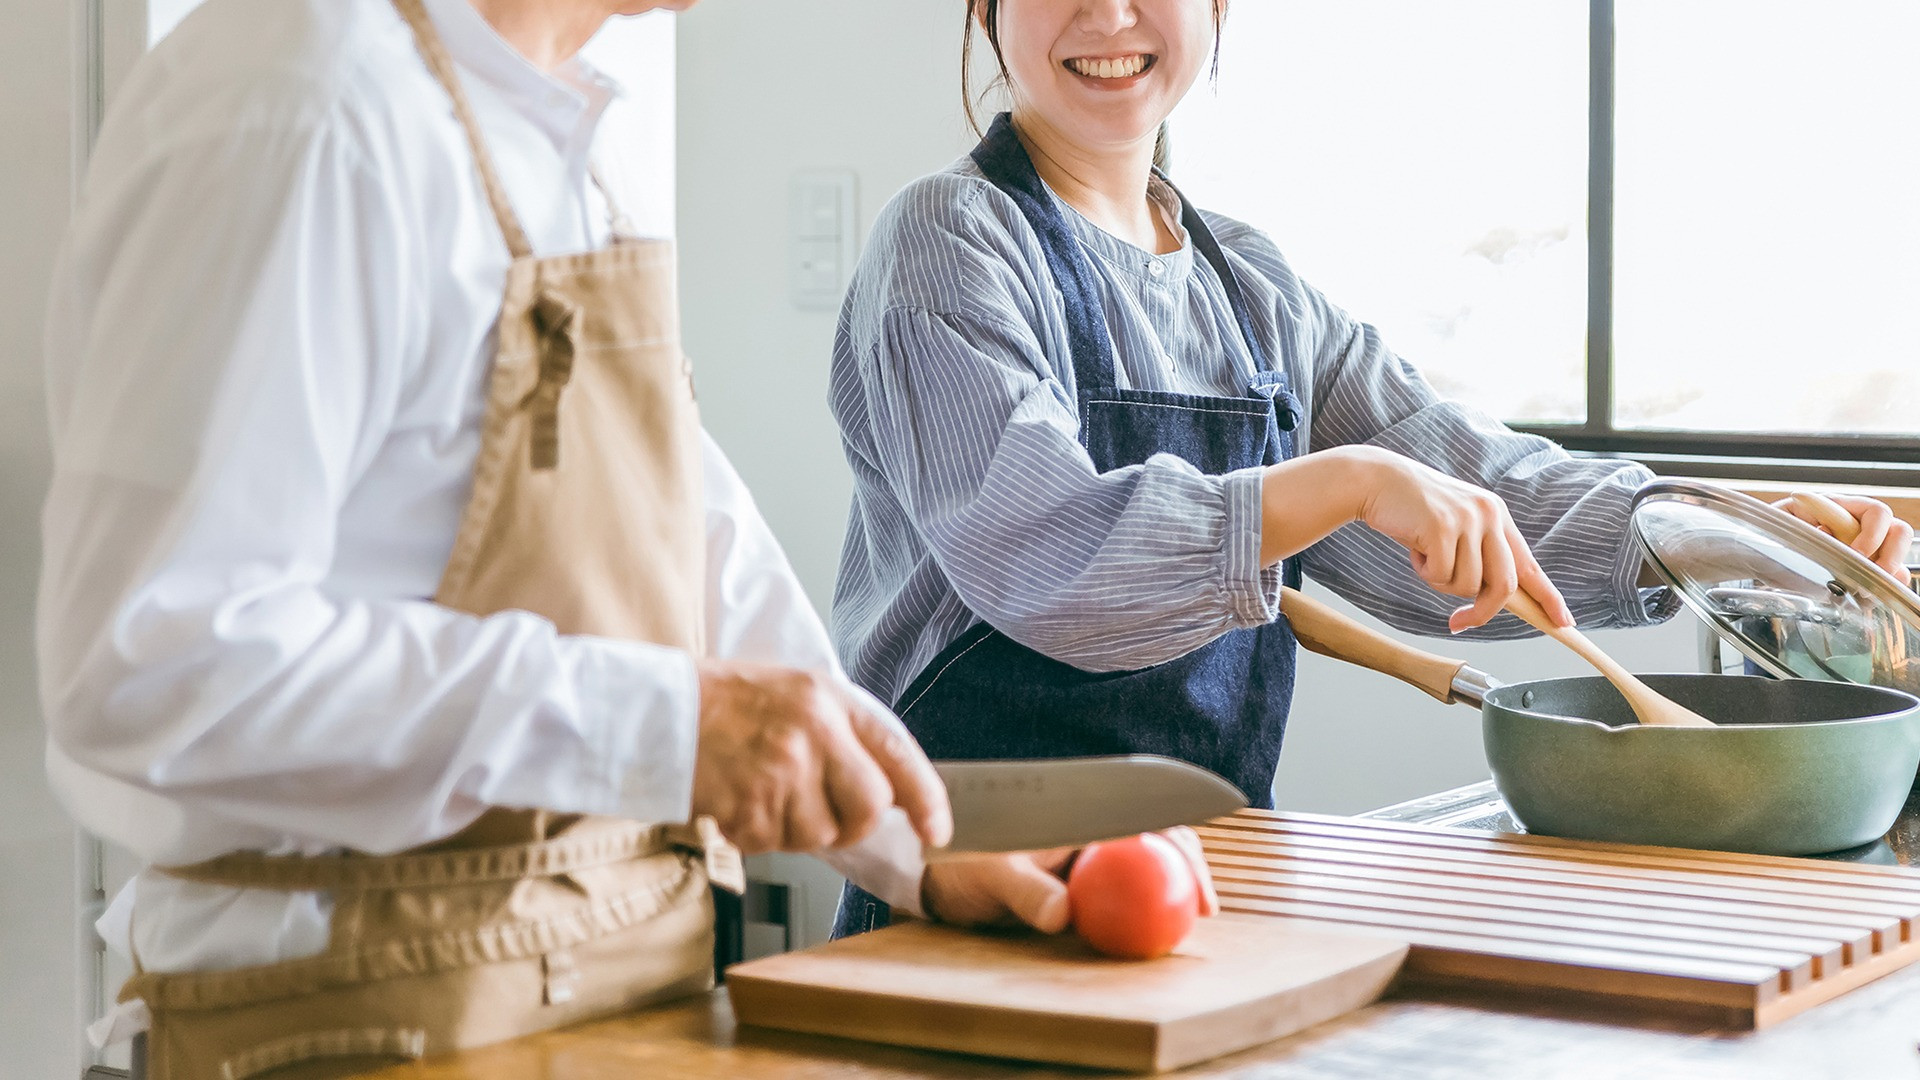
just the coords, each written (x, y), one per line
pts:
(917, 789)
(1467, 566)
(1876, 522)
(1498, 582)
(808, 824)
(1897, 550)
(1438, 559)
(857, 790)
(1188, 842)
(1534, 581)
(756, 829)
(1032, 893)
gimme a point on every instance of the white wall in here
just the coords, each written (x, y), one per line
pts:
(40, 942)
(771, 87)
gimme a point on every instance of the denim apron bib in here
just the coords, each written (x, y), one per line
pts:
(1223, 705)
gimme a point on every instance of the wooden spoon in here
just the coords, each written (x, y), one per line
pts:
(1653, 709)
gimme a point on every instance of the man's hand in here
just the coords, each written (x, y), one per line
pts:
(1029, 888)
(792, 760)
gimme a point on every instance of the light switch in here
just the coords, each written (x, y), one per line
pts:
(821, 223)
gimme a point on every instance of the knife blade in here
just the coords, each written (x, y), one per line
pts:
(1001, 806)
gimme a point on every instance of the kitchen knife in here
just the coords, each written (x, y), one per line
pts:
(1034, 805)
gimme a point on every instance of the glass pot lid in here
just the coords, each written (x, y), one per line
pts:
(1796, 601)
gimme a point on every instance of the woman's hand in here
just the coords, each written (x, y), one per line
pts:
(1463, 541)
(1883, 538)
(1029, 888)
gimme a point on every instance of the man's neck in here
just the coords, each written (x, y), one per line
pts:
(547, 32)
(1107, 187)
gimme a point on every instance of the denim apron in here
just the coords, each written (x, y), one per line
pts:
(1223, 705)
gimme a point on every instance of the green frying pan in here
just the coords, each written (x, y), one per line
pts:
(1794, 767)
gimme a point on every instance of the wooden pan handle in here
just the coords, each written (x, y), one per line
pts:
(1329, 633)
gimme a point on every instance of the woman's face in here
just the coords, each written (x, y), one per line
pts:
(1104, 73)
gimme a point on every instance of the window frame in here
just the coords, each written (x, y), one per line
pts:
(1832, 458)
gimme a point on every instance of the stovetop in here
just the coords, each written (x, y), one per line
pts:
(1478, 806)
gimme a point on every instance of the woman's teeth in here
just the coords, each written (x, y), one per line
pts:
(1123, 68)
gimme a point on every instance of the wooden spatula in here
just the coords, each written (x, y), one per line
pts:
(1653, 709)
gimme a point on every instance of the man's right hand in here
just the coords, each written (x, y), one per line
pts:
(792, 760)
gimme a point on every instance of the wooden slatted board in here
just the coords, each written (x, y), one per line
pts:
(1746, 939)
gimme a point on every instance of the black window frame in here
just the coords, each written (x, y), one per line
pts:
(1832, 458)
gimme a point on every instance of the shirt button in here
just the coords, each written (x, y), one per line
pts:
(1156, 268)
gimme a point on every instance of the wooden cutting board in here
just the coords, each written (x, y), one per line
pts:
(1746, 940)
(1234, 983)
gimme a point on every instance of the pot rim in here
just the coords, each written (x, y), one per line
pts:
(1905, 706)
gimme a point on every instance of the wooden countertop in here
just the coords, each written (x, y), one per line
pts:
(1872, 1032)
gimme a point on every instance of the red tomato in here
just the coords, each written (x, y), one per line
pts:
(1135, 898)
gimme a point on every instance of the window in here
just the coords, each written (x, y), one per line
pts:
(1666, 227)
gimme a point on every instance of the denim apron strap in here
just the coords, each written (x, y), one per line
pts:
(1003, 159)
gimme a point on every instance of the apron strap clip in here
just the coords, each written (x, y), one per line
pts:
(1287, 410)
(554, 317)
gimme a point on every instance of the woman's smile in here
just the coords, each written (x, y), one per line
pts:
(1111, 72)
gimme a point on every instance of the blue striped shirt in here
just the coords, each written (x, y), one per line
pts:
(974, 499)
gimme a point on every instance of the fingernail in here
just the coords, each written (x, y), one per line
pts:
(1054, 915)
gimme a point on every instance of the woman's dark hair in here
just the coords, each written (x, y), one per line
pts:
(989, 12)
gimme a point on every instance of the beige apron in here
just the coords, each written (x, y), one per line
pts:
(587, 509)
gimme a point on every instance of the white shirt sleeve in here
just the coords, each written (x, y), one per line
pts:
(229, 333)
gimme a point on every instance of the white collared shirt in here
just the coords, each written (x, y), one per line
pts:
(269, 337)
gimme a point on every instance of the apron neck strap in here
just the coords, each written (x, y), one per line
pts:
(434, 52)
(1004, 161)
(618, 223)
(1209, 249)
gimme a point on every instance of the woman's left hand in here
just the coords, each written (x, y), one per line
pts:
(1029, 888)
(1883, 538)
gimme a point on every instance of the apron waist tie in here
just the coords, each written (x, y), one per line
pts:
(412, 870)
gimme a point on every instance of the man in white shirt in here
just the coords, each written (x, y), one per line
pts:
(269, 348)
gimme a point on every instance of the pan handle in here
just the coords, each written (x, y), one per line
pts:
(1329, 633)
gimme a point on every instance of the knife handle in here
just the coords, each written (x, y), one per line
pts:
(1329, 633)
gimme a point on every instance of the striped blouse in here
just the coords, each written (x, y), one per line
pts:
(974, 499)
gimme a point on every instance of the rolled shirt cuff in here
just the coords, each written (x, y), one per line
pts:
(1253, 590)
(638, 715)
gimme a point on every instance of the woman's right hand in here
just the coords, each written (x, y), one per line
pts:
(1463, 541)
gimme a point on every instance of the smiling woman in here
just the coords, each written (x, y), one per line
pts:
(987, 14)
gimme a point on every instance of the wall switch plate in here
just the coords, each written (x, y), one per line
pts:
(821, 224)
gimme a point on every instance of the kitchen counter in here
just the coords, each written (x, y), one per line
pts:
(1869, 1034)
